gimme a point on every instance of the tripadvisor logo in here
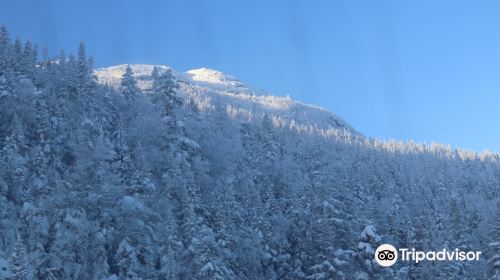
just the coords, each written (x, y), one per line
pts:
(386, 255)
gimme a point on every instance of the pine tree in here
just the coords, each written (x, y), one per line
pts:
(193, 107)
(38, 169)
(268, 140)
(6, 51)
(28, 60)
(14, 161)
(127, 261)
(155, 75)
(456, 222)
(84, 77)
(18, 49)
(8, 62)
(494, 247)
(323, 271)
(369, 240)
(128, 84)
(82, 62)
(420, 241)
(155, 95)
(18, 261)
(141, 183)
(166, 88)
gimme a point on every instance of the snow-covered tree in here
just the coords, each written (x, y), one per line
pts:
(494, 246)
(127, 261)
(166, 87)
(129, 84)
(14, 161)
(368, 242)
(28, 60)
(18, 261)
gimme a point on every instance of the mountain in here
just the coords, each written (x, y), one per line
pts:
(203, 76)
(137, 172)
(211, 84)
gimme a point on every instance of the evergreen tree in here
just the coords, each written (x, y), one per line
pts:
(128, 84)
(18, 261)
(82, 63)
(155, 95)
(369, 241)
(8, 62)
(155, 75)
(6, 51)
(14, 161)
(28, 60)
(18, 49)
(494, 247)
(84, 77)
(166, 87)
(127, 261)
(193, 107)
(141, 184)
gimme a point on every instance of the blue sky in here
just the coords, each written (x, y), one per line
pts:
(422, 70)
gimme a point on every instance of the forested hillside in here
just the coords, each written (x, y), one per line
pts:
(142, 172)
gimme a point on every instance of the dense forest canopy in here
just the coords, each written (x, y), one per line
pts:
(156, 177)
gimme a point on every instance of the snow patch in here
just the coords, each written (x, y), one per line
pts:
(369, 234)
(131, 205)
(214, 77)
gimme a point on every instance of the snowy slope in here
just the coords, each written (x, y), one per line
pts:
(214, 78)
(211, 87)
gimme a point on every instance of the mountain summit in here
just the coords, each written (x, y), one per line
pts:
(214, 77)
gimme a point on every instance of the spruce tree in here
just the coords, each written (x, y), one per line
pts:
(28, 60)
(18, 49)
(18, 261)
(166, 88)
(129, 84)
(8, 62)
(494, 247)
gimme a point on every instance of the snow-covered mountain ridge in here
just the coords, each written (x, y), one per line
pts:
(211, 87)
(203, 76)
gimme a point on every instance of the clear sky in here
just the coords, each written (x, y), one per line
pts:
(423, 70)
